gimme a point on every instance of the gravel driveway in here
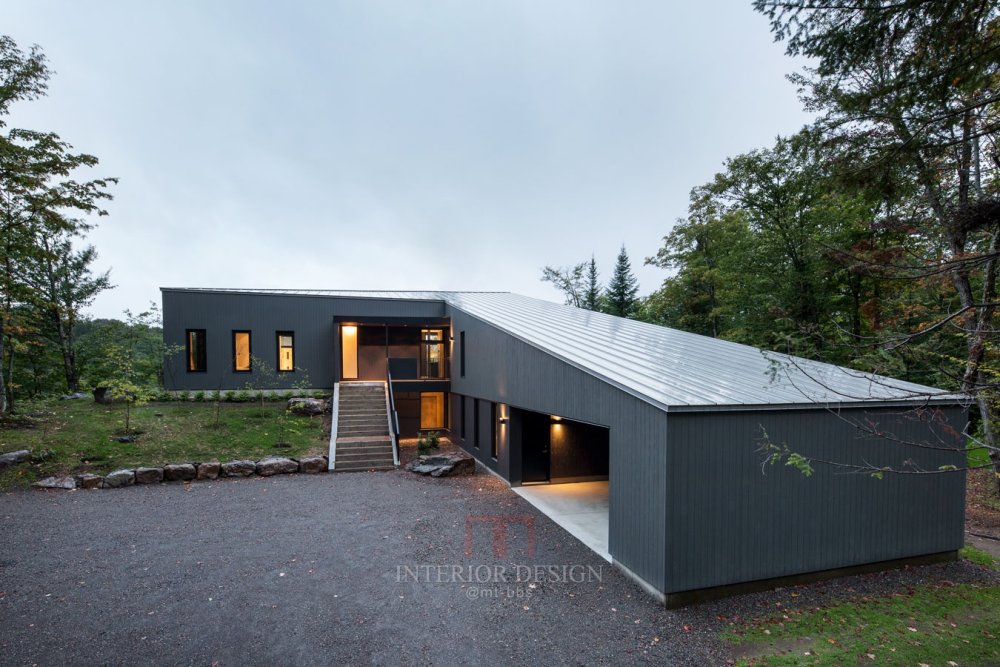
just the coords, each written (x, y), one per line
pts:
(326, 569)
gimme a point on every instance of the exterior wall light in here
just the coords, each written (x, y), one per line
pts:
(503, 420)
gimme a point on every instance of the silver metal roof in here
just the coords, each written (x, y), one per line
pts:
(672, 369)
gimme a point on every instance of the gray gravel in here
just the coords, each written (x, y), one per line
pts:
(303, 570)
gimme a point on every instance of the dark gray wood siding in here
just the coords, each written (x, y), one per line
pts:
(310, 317)
(728, 521)
(502, 368)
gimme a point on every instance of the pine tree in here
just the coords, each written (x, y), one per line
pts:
(621, 296)
(592, 295)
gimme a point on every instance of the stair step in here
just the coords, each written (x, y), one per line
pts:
(365, 459)
(363, 451)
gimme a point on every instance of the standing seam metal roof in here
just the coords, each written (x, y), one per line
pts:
(667, 367)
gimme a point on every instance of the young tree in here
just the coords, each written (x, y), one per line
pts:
(62, 285)
(621, 296)
(592, 293)
(908, 93)
(569, 281)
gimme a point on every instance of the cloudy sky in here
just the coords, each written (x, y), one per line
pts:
(397, 145)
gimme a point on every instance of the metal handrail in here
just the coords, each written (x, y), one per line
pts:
(393, 416)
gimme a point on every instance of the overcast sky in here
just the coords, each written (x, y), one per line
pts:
(397, 145)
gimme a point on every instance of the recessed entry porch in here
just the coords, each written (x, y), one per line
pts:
(412, 354)
(562, 467)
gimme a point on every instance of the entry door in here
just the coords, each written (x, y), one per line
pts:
(536, 439)
(349, 352)
(431, 410)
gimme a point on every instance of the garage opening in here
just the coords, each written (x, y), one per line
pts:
(556, 450)
(564, 473)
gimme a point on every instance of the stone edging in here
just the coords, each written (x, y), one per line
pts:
(185, 472)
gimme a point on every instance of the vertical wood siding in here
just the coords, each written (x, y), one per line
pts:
(310, 317)
(728, 521)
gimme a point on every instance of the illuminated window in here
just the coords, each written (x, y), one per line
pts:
(241, 351)
(196, 362)
(286, 351)
(431, 353)
(349, 352)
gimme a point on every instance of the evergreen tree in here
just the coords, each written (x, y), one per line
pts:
(621, 297)
(592, 295)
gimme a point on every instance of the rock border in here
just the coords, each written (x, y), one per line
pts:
(187, 472)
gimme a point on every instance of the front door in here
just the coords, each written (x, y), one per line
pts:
(431, 410)
(535, 444)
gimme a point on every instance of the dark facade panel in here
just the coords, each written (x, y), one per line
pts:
(502, 368)
(729, 521)
(311, 318)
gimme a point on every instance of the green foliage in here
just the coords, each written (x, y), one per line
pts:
(43, 281)
(230, 396)
(199, 397)
(243, 396)
(924, 625)
(593, 297)
(184, 395)
(428, 441)
(621, 295)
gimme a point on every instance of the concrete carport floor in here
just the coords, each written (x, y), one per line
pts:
(581, 508)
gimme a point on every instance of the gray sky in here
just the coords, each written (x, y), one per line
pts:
(397, 145)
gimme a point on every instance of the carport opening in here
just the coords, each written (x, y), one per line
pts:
(555, 450)
(564, 473)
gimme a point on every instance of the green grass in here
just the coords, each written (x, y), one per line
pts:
(79, 436)
(974, 555)
(976, 457)
(930, 624)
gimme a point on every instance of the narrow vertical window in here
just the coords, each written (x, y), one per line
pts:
(461, 415)
(349, 352)
(493, 430)
(461, 353)
(286, 351)
(475, 422)
(196, 355)
(241, 351)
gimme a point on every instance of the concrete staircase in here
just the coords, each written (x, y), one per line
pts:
(363, 440)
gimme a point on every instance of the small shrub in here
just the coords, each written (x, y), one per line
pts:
(216, 396)
(274, 396)
(231, 396)
(199, 396)
(164, 396)
(428, 441)
(288, 394)
(41, 455)
(184, 396)
(243, 396)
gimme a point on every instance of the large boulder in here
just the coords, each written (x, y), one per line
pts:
(209, 470)
(313, 464)
(68, 483)
(307, 407)
(276, 465)
(239, 468)
(13, 458)
(148, 475)
(179, 472)
(446, 464)
(119, 478)
(89, 481)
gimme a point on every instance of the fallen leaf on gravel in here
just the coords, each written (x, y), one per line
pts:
(911, 629)
(686, 628)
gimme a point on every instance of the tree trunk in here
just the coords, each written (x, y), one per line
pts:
(4, 408)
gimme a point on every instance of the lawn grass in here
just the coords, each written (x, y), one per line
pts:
(929, 625)
(979, 557)
(79, 436)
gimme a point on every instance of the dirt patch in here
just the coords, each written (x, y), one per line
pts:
(779, 647)
(982, 505)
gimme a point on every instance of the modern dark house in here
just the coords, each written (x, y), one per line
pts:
(672, 423)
